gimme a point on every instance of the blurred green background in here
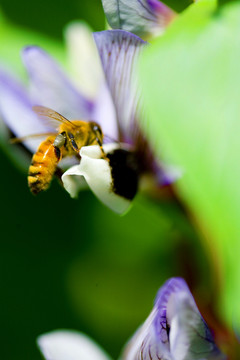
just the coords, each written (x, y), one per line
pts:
(50, 17)
(74, 264)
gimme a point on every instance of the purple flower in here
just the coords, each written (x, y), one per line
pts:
(115, 104)
(116, 107)
(174, 330)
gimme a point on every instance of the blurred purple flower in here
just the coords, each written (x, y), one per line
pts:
(174, 330)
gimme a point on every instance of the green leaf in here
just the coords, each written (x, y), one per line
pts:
(222, 2)
(191, 86)
(14, 38)
(177, 5)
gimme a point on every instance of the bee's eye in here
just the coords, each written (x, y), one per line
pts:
(97, 129)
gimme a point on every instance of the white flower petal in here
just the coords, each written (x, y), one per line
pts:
(98, 174)
(83, 58)
(69, 345)
(73, 181)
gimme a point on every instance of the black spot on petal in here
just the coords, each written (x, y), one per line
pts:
(125, 172)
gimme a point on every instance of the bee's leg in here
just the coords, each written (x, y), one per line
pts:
(73, 142)
(101, 147)
(58, 153)
(59, 142)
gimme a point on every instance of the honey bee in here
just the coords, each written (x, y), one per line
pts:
(67, 141)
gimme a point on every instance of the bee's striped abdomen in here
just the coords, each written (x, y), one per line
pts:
(43, 167)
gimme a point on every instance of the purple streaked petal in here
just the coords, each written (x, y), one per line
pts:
(175, 329)
(50, 87)
(141, 17)
(17, 113)
(189, 335)
(119, 51)
(172, 286)
(146, 345)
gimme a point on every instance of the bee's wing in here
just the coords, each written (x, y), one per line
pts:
(51, 117)
(16, 140)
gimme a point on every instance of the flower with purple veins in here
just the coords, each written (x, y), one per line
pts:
(117, 108)
(119, 51)
(174, 330)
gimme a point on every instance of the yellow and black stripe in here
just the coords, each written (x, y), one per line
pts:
(43, 167)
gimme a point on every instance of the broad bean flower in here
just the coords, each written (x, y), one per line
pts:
(174, 330)
(116, 106)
